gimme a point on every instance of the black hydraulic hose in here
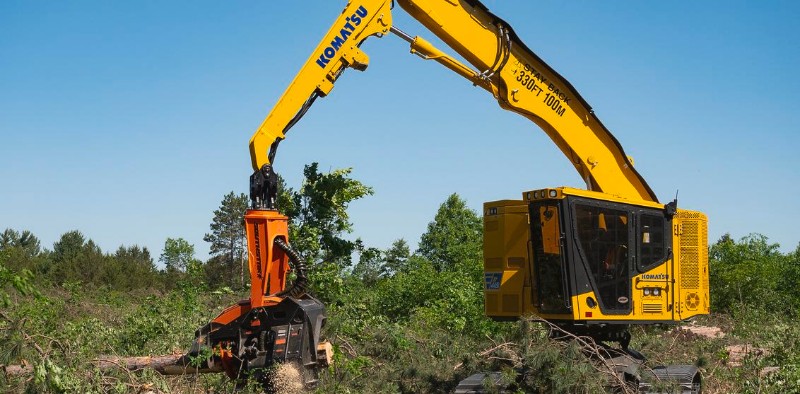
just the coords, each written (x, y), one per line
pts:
(300, 284)
(274, 147)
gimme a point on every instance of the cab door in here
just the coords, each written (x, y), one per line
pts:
(550, 270)
(655, 264)
(604, 239)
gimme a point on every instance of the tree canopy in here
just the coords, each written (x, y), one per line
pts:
(178, 253)
(454, 237)
(318, 214)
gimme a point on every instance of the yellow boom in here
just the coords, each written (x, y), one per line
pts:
(501, 64)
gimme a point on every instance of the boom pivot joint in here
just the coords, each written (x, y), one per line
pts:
(264, 188)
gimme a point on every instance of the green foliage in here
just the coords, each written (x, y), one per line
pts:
(130, 268)
(18, 259)
(60, 334)
(75, 258)
(753, 272)
(396, 258)
(450, 300)
(177, 255)
(403, 321)
(327, 283)
(160, 325)
(47, 377)
(21, 282)
(454, 238)
(217, 274)
(369, 266)
(547, 366)
(228, 240)
(25, 241)
(318, 214)
(390, 358)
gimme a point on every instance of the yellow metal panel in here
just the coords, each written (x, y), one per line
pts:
(505, 256)
(690, 242)
(652, 306)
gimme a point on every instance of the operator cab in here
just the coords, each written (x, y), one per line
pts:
(582, 257)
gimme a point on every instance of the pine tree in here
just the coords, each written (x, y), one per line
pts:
(227, 236)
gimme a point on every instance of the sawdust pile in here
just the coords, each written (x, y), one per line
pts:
(287, 379)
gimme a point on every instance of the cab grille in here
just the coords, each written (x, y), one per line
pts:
(690, 255)
(651, 308)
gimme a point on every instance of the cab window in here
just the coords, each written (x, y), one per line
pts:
(652, 241)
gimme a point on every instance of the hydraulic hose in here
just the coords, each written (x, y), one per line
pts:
(300, 284)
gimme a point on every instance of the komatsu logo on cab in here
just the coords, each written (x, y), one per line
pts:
(346, 31)
(655, 277)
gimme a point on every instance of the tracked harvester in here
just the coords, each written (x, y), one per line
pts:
(593, 261)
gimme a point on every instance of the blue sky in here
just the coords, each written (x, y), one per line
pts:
(130, 120)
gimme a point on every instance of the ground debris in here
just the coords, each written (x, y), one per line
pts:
(768, 371)
(17, 370)
(737, 353)
(700, 331)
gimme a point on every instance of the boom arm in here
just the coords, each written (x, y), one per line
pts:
(338, 50)
(518, 79)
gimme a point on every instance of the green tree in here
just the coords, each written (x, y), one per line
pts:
(74, 259)
(318, 214)
(177, 255)
(454, 238)
(286, 200)
(368, 268)
(216, 273)
(23, 251)
(25, 240)
(69, 247)
(451, 300)
(134, 268)
(747, 272)
(396, 258)
(790, 278)
(227, 236)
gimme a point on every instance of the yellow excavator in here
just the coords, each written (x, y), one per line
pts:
(593, 261)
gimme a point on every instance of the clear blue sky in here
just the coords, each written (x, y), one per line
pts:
(130, 120)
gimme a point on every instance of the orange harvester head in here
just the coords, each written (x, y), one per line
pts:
(268, 266)
(278, 323)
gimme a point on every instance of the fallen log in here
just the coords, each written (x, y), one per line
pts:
(173, 364)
